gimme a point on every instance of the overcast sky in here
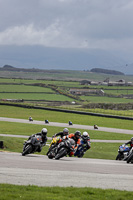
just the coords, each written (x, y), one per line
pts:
(98, 24)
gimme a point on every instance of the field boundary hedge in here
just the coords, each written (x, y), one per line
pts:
(67, 111)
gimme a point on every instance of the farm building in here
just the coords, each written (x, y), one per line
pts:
(76, 91)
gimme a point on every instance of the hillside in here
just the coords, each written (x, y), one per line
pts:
(106, 71)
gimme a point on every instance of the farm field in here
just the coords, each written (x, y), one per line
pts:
(63, 75)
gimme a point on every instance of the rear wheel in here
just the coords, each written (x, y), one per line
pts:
(27, 150)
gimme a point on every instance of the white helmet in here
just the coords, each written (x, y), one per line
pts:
(85, 135)
(44, 131)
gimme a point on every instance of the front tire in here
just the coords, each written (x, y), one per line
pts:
(129, 159)
(27, 150)
(119, 157)
(61, 154)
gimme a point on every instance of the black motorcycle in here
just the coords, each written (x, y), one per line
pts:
(53, 147)
(130, 156)
(64, 148)
(32, 145)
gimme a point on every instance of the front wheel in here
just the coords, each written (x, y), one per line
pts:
(60, 154)
(119, 157)
(129, 159)
(27, 150)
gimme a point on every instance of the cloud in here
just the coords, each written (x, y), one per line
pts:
(87, 24)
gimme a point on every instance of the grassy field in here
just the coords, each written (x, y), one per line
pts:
(54, 116)
(30, 192)
(104, 99)
(64, 75)
(35, 96)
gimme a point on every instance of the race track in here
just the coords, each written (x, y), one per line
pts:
(77, 172)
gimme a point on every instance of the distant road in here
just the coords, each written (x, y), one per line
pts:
(77, 126)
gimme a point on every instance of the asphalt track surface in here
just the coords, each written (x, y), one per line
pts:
(69, 171)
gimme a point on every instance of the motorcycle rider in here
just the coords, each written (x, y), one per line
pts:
(76, 137)
(30, 118)
(130, 142)
(86, 142)
(43, 135)
(63, 133)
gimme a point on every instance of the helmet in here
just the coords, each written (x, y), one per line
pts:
(65, 131)
(85, 136)
(132, 140)
(44, 131)
(77, 134)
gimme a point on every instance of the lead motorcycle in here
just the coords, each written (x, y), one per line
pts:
(64, 148)
(123, 152)
(53, 147)
(31, 145)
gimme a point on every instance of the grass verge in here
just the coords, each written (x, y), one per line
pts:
(15, 192)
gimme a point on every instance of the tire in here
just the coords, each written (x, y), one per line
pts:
(51, 155)
(27, 150)
(119, 157)
(60, 154)
(130, 158)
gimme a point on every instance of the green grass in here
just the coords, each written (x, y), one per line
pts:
(103, 99)
(24, 88)
(35, 96)
(29, 129)
(53, 116)
(15, 192)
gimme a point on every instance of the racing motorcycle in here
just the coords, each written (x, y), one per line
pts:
(80, 149)
(130, 156)
(31, 145)
(53, 147)
(64, 148)
(123, 152)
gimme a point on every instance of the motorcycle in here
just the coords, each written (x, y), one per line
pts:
(52, 148)
(80, 149)
(31, 145)
(64, 148)
(130, 156)
(122, 152)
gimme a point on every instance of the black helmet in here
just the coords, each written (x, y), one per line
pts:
(132, 140)
(44, 131)
(65, 131)
(77, 134)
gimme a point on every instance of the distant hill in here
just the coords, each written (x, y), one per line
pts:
(106, 71)
(11, 68)
(95, 70)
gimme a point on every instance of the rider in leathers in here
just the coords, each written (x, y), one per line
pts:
(43, 135)
(85, 138)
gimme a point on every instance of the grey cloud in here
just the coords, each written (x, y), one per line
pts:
(87, 24)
